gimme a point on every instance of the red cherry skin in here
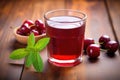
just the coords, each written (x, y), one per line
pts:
(43, 31)
(111, 46)
(33, 27)
(40, 25)
(93, 51)
(29, 22)
(35, 32)
(24, 29)
(20, 32)
(103, 40)
(87, 42)
(36, 29)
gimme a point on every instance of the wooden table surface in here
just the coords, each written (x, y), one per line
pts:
(103, 18)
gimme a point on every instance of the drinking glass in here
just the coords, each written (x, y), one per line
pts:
(66, 30)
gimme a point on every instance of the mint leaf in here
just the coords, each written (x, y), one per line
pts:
(29, 58)
(31, 40)
(37, 62)
(42, 43)
(18, 54)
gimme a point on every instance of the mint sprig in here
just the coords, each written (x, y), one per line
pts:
(31, 52)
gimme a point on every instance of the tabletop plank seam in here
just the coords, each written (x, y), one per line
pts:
(111, 22)
(22, 71)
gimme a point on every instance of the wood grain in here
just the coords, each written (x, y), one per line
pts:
(9, 17)
(103, 18)
(114, 17)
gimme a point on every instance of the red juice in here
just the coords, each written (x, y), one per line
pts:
(66, 38)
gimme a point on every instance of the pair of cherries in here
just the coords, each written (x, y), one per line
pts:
(93, 50)
(29, 26)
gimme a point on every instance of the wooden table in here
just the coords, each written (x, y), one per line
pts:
(103, 18)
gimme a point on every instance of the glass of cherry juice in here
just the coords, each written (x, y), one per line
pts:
(66, 30)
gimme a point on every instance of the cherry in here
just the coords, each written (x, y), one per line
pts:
(87, 42)
(93, 50)
(39, 24)
(43, 31)
(29, 22)
(24, 29)
(33, 27)
(35, 32)
(20, 32)
(111, 46)
(103, 40)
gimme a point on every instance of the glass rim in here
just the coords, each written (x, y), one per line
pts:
(82, 19)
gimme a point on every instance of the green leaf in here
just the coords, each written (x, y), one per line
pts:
(18, 54)
(41, 44)
(37, 62)
(31, 40)
(29, 59)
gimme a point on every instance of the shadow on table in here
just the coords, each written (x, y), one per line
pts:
(16, 45)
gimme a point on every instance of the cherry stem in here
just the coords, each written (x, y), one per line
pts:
(103, 50)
